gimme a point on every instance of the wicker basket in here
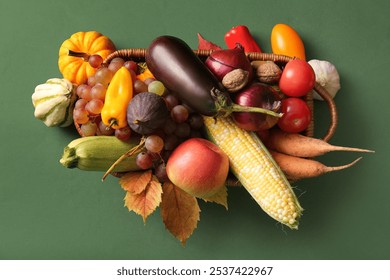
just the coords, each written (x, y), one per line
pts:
(138, 55)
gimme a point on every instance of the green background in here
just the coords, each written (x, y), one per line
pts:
(49, 212)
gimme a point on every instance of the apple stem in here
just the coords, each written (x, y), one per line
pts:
(240, 108)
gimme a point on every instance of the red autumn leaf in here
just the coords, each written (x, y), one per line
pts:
(145, 202)
(179, 211)
(203, 44)
(136, 182)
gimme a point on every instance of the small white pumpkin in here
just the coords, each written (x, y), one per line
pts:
(54, 102)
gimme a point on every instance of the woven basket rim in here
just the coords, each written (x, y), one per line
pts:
(138, 54)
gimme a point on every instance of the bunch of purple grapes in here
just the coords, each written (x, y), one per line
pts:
(181, 124)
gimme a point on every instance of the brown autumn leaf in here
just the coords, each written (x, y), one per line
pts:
(180, 212)
(135, 182)
(145, 202)
(220, 197)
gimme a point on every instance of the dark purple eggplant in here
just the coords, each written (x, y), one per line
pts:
(175, 64)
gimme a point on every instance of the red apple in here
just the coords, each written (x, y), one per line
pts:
(199, 167)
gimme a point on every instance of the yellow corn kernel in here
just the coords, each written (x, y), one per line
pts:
(255, 168)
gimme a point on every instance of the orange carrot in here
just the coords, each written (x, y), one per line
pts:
(296, 168)
(298, 145)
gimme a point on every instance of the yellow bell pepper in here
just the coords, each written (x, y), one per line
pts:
(118, 95)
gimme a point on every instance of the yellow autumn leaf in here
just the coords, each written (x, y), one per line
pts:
(135, 182)
(180, 212)
(145, 202)
(220, 197)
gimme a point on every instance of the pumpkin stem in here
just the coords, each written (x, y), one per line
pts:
(83, 55)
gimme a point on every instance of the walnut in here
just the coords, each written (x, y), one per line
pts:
(267, 71)
(235, 80)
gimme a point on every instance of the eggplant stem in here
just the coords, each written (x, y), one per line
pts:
(225, 107)
(240, 108)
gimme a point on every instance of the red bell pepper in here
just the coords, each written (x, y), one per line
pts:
(241, 34)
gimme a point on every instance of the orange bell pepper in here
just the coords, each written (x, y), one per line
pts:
(146, 74)
(286, 41)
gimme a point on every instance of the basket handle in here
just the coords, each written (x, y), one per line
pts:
(138, 54)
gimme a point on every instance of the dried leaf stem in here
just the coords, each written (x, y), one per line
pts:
(129, 153)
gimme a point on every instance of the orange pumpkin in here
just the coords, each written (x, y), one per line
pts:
(74, 53)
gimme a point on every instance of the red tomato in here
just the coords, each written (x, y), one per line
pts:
(296, 115)
(298, 78)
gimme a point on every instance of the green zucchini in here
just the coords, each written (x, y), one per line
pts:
(98, 153)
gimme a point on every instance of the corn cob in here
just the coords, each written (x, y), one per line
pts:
(255, 168)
